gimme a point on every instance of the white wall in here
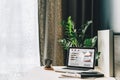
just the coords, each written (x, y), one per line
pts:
(115, 20)
(19, 46)
(111, 17)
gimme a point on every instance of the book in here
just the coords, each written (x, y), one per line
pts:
(105, 46)
(83, 75)
(91, 74)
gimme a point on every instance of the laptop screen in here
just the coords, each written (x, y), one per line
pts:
(81, 57)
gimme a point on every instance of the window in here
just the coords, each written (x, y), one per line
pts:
(19, 47)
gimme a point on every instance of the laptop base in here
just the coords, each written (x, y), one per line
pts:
(72, 68)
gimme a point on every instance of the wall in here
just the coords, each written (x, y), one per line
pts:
(110, 16)
(115, 24)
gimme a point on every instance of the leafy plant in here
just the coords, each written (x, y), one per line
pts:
(74, 38)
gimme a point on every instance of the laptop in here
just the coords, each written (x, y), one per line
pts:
(80, 58)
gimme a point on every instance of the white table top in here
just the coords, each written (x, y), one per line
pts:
(38, 73)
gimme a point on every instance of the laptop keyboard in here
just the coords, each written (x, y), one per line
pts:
(82, 69)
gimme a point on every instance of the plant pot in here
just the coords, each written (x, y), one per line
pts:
(65, 58)
(96, 62)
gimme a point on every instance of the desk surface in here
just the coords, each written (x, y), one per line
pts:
(39, 73)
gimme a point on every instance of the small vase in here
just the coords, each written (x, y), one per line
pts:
(96, 62)
(65, 58)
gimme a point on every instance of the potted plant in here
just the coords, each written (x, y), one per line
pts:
(73, 38)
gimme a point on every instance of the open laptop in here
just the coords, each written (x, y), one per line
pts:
(80, 58)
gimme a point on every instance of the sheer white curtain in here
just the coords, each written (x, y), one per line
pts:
(19, 44)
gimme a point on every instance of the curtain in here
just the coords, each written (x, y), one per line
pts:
(51, 13)
(50, 16)
(19, 43)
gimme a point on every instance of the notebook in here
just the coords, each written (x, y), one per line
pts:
(80, 58)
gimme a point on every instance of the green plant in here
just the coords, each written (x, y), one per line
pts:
(73, 38)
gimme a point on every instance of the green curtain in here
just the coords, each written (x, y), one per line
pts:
(50, 30)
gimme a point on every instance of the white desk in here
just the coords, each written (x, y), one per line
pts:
(39, 73)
